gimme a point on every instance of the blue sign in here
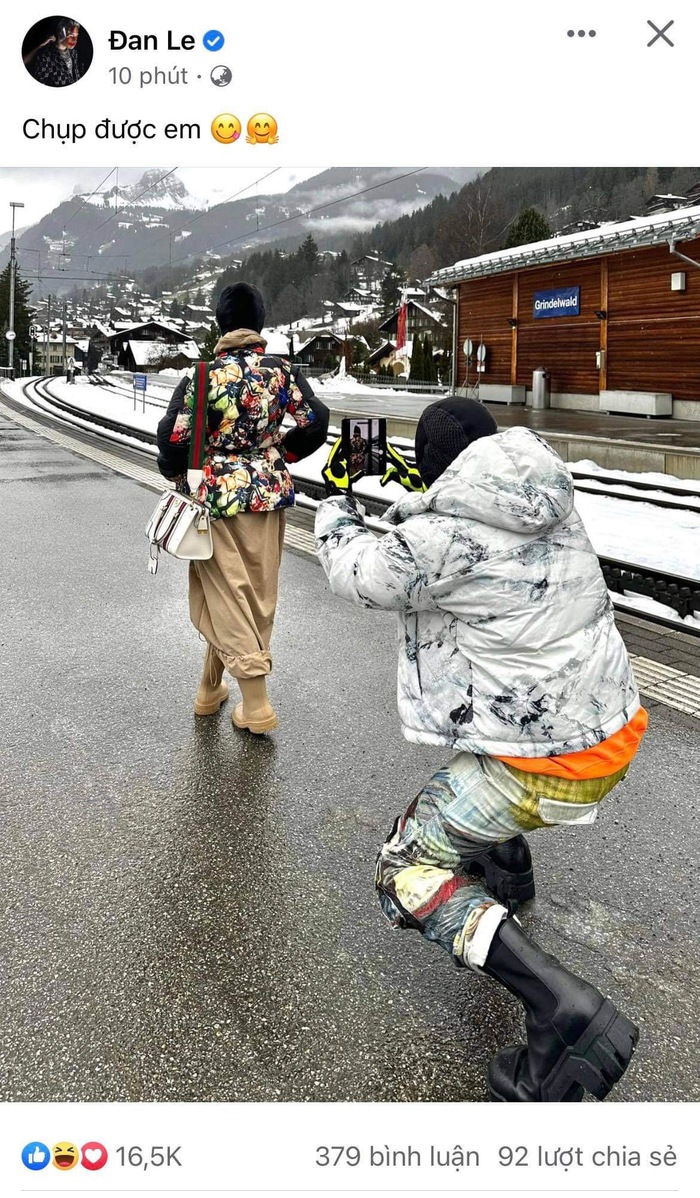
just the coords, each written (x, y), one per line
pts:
(140, 381)
(561, 301)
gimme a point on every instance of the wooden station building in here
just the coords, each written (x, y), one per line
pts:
(612, 314)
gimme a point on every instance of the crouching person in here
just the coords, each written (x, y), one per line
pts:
(510, 656)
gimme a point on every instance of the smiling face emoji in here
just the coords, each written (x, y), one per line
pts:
(262, 128)
(65, 1156)
(226, 128)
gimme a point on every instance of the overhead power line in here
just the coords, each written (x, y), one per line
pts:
(301, 215)
(87, 200)
(135, 200)
(228, 200)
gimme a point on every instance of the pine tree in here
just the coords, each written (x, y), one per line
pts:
(308, 257)
(209, 343)
(417, 361)
(391, 290)
(22, 316)
(530, 226)
(429, 372)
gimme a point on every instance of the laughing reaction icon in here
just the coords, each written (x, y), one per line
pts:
(65, 1156)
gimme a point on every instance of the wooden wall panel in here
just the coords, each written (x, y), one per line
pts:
(650, 356)
(566, 345)
(651, 336)
(485, 306)
(654, 333)
(640, 283)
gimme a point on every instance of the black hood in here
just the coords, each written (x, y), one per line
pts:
(240, 307)
(445, 429)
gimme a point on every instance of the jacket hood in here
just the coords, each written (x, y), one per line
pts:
(239, 339)
(512, 480)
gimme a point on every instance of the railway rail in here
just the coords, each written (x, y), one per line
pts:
(675, 592)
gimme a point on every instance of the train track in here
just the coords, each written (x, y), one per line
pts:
(632, 490)
(676, 592)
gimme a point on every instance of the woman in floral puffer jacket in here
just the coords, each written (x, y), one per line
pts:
(247, 487)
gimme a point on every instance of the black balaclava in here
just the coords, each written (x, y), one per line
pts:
(240, 307)
(445, 429)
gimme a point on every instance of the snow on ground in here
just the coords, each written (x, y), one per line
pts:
(115, 405)
(347, 385)
(16, 391)
(664, 480)
(644, 535)
(158, 386)
(639, 533)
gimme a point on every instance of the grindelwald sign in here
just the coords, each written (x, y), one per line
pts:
(562, 301)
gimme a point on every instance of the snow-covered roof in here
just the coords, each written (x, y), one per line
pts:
(607, 239)
(131, 328)
(382, 351)
(145, 353)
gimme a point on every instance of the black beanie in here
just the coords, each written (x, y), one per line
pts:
(240, 307)
(445, 429)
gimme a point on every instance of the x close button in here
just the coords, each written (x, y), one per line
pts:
(660, 34)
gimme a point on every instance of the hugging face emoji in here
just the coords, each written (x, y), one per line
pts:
(65, 1156)
(262, 128)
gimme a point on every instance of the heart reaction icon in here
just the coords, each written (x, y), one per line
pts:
(93, 1155)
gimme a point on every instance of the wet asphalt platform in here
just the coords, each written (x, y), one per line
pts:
(188, 911)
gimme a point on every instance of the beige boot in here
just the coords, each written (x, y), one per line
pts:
(255, 712)
(213, 691)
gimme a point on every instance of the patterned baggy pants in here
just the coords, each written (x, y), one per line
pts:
(467, 807)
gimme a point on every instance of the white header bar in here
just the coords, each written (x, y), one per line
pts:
(505, 83)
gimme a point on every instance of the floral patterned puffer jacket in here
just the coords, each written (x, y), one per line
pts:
(247, 449)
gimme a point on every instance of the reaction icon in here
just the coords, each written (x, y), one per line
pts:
(65, 1155)
(35, 1155)
(226, 128)
(94, 1155)
(262, 128)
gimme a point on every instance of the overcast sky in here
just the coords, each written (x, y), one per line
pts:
(43, 190)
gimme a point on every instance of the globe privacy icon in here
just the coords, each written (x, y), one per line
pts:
(221, 75)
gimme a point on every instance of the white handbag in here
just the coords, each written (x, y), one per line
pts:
(181, 526)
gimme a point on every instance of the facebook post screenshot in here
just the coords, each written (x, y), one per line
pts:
(350, 598)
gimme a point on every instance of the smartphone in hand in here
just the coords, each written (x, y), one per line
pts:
(363, 442)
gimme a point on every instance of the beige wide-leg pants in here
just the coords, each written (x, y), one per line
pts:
(233, 596)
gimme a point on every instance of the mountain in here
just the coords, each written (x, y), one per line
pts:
(152, 191)
(5, 238)
(156, 222)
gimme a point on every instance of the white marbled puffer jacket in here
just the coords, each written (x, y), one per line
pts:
(509, 645)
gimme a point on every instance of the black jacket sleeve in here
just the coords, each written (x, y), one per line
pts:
(172, 458)
(311, 416)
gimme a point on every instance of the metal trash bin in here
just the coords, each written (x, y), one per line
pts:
(540, 388)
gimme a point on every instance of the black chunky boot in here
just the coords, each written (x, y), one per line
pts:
(507, 872)
(577, 1040)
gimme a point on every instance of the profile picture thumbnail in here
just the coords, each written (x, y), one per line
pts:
(57, 51)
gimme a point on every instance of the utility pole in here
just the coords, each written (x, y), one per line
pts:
(63, 364)
(13, 274)
(47, 365)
